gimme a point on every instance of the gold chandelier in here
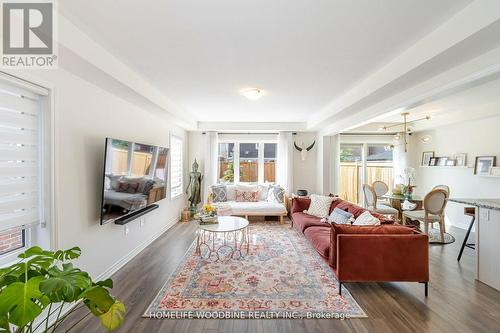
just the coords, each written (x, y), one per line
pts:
(406, 130)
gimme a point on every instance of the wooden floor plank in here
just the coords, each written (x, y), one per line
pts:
(456, 302)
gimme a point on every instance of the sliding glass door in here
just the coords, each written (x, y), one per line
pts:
(351, 172)
(363, 163)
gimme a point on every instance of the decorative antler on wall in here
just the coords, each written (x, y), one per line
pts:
(303, 151)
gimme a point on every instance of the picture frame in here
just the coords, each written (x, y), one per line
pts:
(461, 159)
(433, 161)
(483, 165)
(426, 157)
(442, 161)
(451, 162)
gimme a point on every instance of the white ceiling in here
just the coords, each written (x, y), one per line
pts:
(478, 102)
(303, 53)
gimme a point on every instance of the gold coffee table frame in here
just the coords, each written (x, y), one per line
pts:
(230, 233)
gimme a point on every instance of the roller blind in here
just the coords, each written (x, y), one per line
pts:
(20, 122)
(176, 169)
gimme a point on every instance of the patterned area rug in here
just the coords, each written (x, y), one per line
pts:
(281, 277)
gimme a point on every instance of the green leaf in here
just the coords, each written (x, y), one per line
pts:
(15, 270)
(114, 317)
(98, 300)
(70, 254)
(5, 280)
(23, 301)
(40, 262)
(32, 251)
(108, 283)
(4, 324)
(66, 284)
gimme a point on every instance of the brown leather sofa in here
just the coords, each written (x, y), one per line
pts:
(389, 252)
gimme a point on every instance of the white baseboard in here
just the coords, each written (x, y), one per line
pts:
(124, 260)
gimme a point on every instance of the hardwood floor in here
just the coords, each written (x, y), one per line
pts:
(456, 302)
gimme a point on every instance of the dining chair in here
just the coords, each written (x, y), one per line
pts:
(372, 204)
(442, 187)
(434, 206)
(381, 189)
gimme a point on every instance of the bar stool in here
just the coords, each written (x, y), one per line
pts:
(469, 211)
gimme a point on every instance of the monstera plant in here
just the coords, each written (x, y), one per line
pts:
(35, 291)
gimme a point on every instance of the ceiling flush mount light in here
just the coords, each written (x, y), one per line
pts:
(252, 93)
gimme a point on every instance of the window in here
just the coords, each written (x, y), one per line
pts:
(12, 240)
(22, 159)
(351, 153)
(363, 163)
(351, 172)
(226, 162)
(247, 162)
(270, 158)
(176, 169)
(379, 164)
(379, 153)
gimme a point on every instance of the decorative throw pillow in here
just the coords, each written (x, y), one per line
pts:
(148, 186)
(219, 193)
(366, 219)
(263, 191)
(340, 216)
(244, 196)
(114, 181)
(276, 194)
(231, 192)
(320, 205)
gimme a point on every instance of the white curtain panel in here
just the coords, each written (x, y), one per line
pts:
(284, 172)
(211, 157)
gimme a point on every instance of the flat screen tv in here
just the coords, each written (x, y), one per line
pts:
(135, 177)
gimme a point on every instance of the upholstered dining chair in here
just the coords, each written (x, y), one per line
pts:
(381, 189)
(372, 204)
(434, 206)
(442, 187)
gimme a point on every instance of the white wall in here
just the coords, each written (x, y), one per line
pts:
(304, 172)
(476, 138)
(85, 115)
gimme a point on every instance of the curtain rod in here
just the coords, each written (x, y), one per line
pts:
(370, 134)
(247, 133)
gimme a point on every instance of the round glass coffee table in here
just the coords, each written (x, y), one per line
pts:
(224, 240)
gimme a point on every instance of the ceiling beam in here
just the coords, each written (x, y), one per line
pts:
(470, 74)
(476, 26)
(251, 126)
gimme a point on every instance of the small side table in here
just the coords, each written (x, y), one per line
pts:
(230, 234)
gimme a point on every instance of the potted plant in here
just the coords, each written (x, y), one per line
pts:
(35, 291)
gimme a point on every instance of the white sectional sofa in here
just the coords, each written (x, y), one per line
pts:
(263, 207)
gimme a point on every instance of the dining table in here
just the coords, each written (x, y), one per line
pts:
(396, 201)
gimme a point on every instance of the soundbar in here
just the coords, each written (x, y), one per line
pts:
(138, 213)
